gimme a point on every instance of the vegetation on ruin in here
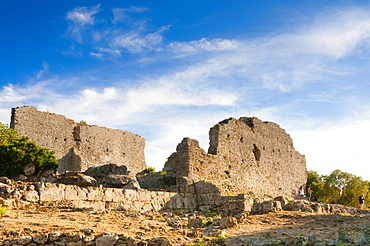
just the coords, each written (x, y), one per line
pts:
(17, 151)
(337, 188)
(149, 170)
(82, 122)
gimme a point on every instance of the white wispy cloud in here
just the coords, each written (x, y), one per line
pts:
(10, 94)
(120, 14)
(216, 44)
(137, 41)
(338, 33)
(79, 18)
(45, 68)
(25, 94)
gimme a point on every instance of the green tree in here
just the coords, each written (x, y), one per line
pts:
(314, 180)
(353, 189)
(17, 152)
(342, 188)
(7, 135)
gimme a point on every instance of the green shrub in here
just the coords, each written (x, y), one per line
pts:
(149, 170)
(17, 152)
(82, 122)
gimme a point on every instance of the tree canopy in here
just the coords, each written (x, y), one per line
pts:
(337, 188)
(17, 151)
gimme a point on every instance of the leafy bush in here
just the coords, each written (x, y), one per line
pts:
(17, 152)
(149, 170)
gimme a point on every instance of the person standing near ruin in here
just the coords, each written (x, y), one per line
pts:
(361, 200)
(309, 193)
(301, 192)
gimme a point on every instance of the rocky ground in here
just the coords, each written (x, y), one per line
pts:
(280, 228)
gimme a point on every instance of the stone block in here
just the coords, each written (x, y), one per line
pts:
(108, 195)
(144, 195)
(95, 194)
(31, 196)
(131, 195)
(118, 195)
(158, 203)
(51, 192)
(75, 193)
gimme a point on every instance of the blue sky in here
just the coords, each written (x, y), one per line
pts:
(172, 69)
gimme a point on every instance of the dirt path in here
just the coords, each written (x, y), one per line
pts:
(151, 225)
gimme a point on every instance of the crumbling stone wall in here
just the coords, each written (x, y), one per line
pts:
(246, 156)
(77, 146)
(96, 198)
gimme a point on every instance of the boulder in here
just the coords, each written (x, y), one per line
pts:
(266, 207)
(117, 180)
(133, 184)
(282, 200)
(106, 240)
(24, 240)
(85, 180)
(100, 172)
(41, 239)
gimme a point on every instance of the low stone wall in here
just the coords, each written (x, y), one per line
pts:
(84, 238)
(191, 197)
(96, 198)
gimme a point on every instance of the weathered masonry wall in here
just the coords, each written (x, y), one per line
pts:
(246, 156)
(77, 146)
(95, 198)
(20, 194)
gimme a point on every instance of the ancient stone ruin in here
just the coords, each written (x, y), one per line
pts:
(247, 159)
(245, 156)
(251, 168)
(78, 147)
